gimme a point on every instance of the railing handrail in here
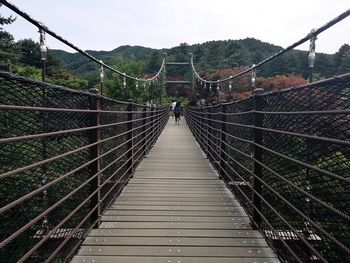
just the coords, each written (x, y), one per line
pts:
(290, 151)
(75, 150)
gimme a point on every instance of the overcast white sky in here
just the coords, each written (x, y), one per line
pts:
(108, 24)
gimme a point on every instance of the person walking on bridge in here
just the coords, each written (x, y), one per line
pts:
(177, 113)
(172, 109)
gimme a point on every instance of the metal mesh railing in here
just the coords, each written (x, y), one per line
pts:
(64, 156)
(286, 157)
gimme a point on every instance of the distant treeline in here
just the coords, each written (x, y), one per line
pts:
(216, 58)
(214, 55)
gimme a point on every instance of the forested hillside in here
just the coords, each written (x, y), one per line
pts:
(214, 55)
(217, 58)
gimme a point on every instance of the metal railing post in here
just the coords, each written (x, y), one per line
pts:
(160, 121)
(144, 130)
(209, 130)
(257, 156)
(95, 167)
(201, 128)
(151, 132)
(45, 119)
(206, 132)
(223, 149)
(154, 129)
(130, 138)
(156, 125)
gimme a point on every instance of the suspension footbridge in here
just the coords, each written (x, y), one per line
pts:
(86, 178)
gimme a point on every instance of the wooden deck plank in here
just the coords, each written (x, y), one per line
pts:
(172, 199)
(175, 225)
(184, 186)
(174, 182)
(175, 210)
(133, 259)
(176, 203)
(175, 195)
(175, 233)
(143, 218)
(165, 241)
(175, 213)
(174, 191)
(176, 207)
(176, 251)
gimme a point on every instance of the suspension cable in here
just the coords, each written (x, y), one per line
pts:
(314, 33)
(42, 27)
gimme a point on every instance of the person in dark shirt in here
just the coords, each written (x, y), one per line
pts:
(177, 113)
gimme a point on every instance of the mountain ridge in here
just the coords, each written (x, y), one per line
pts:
(213, 55)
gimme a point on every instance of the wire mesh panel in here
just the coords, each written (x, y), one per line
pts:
(138, 132)
(114, 147)
(286, 158)
(306, 161)
(239, 131)
(64, 156)
(215, 132)
(32, 156)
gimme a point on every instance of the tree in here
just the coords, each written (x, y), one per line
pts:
(29, 52)
(65, 79)
(211, 55)
(7, 44)
(114, 86)
(154, 62)
(342, 59)
(280, 82)
(182, 54)
(28, 71)
(236, 55)
(197, 53)
(6, 20)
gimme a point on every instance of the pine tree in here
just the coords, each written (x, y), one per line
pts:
(6, 44)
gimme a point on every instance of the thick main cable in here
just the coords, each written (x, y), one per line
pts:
(58, 37)
(279, 53)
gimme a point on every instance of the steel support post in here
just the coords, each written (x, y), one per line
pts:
(223, 148)
(257, 156)
(130, 138)
(95, 151)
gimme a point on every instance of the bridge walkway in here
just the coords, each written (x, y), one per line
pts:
(175, 210)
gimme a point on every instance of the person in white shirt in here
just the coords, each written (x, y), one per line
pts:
(172, 108)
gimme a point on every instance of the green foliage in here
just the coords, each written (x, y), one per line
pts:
(29, 52)
(64, 78)
(23, 58)
(154, 61)
(211, 56)
(113, 85)
(6, 45)
(82, 67)
(170, 99)
(6, 20)
(30, 72)
(342, 59)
